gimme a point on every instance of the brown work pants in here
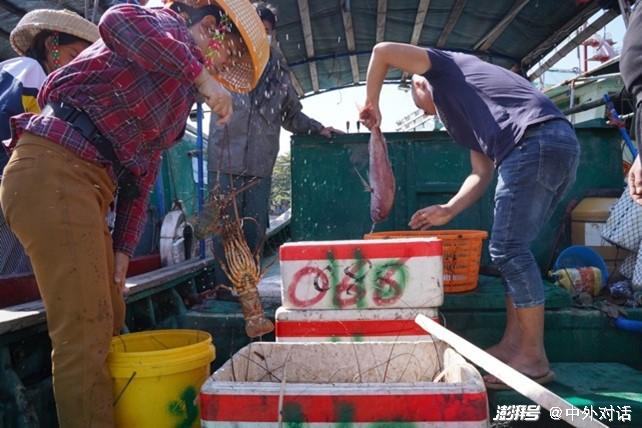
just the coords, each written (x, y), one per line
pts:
(56, 204)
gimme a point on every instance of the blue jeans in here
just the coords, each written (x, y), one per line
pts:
(532, 180)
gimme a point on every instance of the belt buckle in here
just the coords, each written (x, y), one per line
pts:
(47, 111)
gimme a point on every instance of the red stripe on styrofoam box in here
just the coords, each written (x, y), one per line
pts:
(369, 249)
(286, 328)
(312, 408)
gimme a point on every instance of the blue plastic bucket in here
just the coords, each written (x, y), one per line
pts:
(577, 256)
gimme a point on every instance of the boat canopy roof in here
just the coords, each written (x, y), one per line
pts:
(327, 44)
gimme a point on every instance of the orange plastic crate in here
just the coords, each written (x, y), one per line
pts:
(462, 253)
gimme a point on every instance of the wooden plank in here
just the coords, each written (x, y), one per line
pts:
(511, 377)
(420, 19)
(21, 316)
(382, 9)
(350, 43)
(146, 281)
(487, 41)
(16, 317)
(304, 13)
(453, 17)
(422, 11)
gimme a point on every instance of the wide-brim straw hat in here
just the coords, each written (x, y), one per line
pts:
(63, 21)
(245, 72)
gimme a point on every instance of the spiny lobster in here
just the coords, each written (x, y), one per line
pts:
(241, 265)
(244, 270)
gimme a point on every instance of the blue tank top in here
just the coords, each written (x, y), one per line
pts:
(485, 107)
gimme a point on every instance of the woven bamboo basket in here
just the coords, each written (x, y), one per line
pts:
(246, 72)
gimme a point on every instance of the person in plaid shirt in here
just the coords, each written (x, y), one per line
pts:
(106, 118)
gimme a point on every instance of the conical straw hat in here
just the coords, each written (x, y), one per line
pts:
(62, 21)
(245, 72)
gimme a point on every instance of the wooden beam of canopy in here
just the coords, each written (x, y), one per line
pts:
(304, 12)
(453, 17)
(382, 8)
(487, 41)
(420, 19)
(347, 26)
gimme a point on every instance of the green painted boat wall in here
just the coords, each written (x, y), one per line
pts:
(178, 178)
(330, 201)
(178, 184)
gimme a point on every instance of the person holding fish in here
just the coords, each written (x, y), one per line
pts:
(512, 128)
(106, 118)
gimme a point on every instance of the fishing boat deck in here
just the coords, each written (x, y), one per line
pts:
(588, 386)
(595, 363)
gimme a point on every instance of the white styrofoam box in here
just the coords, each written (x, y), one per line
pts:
(327, 325)
(362, 274)
(419, 384)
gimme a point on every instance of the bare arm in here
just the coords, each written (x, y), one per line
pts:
(408, 58)
(470, 191)
(475, 184)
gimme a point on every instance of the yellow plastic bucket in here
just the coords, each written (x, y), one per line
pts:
(157, 376)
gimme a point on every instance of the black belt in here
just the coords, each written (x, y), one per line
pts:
(82, 123)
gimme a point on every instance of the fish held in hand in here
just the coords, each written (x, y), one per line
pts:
(381, 178)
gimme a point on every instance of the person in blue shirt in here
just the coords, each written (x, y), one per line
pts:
(511, 128)
(45, 40)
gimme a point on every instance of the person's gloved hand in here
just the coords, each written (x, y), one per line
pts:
(216, 96)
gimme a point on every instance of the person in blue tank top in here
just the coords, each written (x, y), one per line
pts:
(45, 39)
(510, 127)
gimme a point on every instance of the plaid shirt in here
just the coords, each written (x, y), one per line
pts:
(136, 84)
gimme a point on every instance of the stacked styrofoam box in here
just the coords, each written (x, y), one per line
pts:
(366, 291)
(368, 384)
(359, 290)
